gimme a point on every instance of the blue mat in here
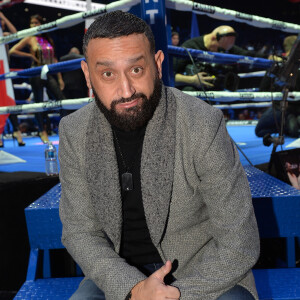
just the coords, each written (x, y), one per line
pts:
(243, 136)
(33, 153)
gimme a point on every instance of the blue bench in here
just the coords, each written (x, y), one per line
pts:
(277, 207)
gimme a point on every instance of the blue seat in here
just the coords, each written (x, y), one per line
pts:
(49, 288)
(277, 208)
(278, 283)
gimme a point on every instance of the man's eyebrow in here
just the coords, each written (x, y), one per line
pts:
(109, 63)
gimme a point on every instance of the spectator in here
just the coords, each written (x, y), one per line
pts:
(270, 121)
(41, 51)
(175, 38)
(221, 39)
(75, 85)
(5, 23)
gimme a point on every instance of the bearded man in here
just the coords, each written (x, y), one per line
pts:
(155, 203)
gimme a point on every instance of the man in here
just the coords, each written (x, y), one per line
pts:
(155, 203)
(75, 86)
(221, 39)
(270, 121)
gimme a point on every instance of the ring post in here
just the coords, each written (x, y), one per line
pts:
(154, 13)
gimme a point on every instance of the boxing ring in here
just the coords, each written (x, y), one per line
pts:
(154, 12)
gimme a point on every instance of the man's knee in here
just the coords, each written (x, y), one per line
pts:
(88, 290)
(237, 293)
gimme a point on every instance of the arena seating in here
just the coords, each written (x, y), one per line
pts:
(277, 207)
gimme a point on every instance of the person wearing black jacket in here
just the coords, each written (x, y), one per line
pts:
(221, 39)
(75, 86)
(270, 120)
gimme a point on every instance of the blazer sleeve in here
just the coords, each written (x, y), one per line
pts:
(82, 235)
(234, 246)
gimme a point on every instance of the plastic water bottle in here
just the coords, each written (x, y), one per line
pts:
(51, 160)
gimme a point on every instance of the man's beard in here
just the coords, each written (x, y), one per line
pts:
(133, 117)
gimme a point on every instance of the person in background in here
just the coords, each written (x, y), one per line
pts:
(75, 84)
(175, 38)
(155, 203)
(6, 24)
(221, 39)
(270, 121)
(41, 52)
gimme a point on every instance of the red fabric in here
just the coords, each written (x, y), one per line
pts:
(10, 3)
(5, 100)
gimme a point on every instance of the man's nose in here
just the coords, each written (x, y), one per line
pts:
(126, 87)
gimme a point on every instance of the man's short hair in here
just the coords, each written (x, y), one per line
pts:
(117, 24)
(288, 42)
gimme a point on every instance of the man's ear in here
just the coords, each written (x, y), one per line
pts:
(159, 58)
(86, 72)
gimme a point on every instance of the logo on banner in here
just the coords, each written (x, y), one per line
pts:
(246, 96)
(278, 24)
(16, 109)
(246, 60)
(243, 16)
(52, 105)
(46, 26)
(93, 13)
(206, 56)
(206, 95)
(204, 8)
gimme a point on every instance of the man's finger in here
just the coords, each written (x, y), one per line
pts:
(163, 271)
(172, 292)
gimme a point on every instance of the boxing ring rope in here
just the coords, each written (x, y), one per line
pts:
(212, 96)
(221, 58)
(42, 71)
(231, 15)
(182, 5)
(68, 21)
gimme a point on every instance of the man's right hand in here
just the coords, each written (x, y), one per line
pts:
(154, 288)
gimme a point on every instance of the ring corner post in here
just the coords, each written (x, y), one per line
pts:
(154, 13)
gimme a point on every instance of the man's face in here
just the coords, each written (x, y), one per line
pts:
(123, 74)
(227, 42)
(175, 40)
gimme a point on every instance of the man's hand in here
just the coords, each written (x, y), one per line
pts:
(154, 288)
(204, 79)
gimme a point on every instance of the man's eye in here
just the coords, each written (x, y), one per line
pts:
(137, 70)
(107, 74)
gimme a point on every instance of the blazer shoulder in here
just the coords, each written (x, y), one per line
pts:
(194, 107)
(79, 120)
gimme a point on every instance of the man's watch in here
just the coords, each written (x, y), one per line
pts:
(128, 297)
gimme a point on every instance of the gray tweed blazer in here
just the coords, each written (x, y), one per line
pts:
(196, 198)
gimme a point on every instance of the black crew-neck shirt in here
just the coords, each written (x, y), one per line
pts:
(136, 245)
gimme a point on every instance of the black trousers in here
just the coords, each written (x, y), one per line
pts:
(37, 85)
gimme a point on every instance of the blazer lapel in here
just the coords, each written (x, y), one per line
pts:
(103, 176)
(157, 165)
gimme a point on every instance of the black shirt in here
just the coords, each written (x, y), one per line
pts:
(136, 245)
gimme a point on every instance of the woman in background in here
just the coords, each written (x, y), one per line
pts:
(6, 24)
(41, 51)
